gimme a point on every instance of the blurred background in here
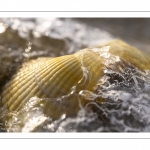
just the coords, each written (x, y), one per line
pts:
(66, 35)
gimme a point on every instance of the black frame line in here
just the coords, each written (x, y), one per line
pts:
(78, 138)
(75, 11)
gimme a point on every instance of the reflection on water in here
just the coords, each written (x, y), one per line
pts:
(126, 88)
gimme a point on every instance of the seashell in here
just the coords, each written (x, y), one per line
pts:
(51, 78)
(55, 77)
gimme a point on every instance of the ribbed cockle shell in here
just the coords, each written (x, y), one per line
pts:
(52, 77)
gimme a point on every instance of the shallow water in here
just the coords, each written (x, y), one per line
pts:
(125, 88)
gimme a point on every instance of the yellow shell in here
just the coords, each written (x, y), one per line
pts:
(54, 77)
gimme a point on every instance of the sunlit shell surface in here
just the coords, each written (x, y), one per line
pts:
(129, 53)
